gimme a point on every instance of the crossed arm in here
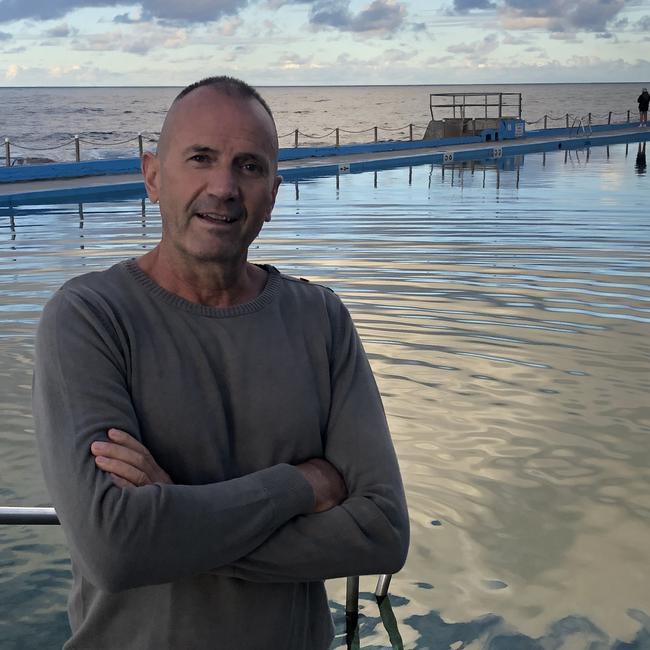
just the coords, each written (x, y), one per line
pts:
(130, 464)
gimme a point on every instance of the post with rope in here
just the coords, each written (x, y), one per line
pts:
(609, 118)
(376, 139)
(628, 116)
(77, 151)
(411, 132)
(337, 136)
(545, 122)
(140, 145)
(567, 120)
(296, 138)
(589, 119)
(7, 153)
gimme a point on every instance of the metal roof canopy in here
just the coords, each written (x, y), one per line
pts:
(500, 101)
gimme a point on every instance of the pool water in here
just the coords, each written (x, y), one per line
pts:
(505, 308)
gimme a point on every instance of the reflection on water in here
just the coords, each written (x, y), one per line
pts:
(505, 309)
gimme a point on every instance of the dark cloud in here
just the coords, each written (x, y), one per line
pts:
(463, 6)
(4, 36)
(385, 16)
(558, 15)
(171, 11)
(644, 24)
(125, 19)
(553, 15)
(60, 31)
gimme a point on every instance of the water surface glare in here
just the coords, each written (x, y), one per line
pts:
(506, 313)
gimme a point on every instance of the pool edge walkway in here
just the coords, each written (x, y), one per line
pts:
(342, 162)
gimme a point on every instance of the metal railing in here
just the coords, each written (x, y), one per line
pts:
(490, 104)
(334, 136)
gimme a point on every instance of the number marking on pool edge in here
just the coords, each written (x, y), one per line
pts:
(344, 168)
(447, 156)
(497, 152)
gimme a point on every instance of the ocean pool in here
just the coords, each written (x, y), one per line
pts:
(505, 307)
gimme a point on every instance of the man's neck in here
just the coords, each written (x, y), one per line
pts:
(209, 283)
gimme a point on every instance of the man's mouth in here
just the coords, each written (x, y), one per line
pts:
(214, 217)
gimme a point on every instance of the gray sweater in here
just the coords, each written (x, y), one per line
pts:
(227, 401)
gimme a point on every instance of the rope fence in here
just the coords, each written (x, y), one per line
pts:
(330, 136)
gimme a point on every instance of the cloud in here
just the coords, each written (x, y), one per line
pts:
(60, 31)
(558, 15)
(477, 49)
(12, 71)
(171, 11)
(463, 6)
(116, 40)
(551, 15)
(644, 24)
(380, 16)
(5, 36)
(126, 19)
(230, 26)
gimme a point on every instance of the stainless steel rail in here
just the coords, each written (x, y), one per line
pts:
(15, 515)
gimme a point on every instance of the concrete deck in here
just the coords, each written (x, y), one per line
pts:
(14, 193)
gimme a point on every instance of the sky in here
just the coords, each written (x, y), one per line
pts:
(323, 42)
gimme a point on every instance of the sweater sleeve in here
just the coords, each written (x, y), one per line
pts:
(157, 533)
(369, 532)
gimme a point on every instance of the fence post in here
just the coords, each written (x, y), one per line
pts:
(296, 139)
(589, 119)
(7, 153)
(567, 120)
(628, 115)
(545, 122)
(375, 134)
(411, 132)
(609, 118)
(140, 146)
(337, 136)
(77, 152)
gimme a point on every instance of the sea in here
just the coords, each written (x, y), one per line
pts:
(42, 122)
(505, 308)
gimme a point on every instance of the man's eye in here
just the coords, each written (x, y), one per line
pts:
(252, 167)
(200, 158)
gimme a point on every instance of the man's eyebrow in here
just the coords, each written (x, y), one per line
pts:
(198, 148)
(205, 149)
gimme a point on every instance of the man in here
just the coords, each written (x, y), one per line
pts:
(644, 102)
(240, 453)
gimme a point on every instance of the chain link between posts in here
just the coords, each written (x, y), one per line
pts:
(567, 118)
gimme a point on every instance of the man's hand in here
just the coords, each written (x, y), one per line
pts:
(328, 485)
(127, 461)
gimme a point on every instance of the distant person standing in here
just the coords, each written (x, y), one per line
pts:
(644, 101)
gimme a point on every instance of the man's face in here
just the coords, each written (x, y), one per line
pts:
(214, 175)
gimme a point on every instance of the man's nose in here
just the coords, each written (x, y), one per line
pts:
(223, 183)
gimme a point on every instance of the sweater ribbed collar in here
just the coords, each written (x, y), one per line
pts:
(269, 292)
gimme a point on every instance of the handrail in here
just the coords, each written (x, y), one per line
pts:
(17, 515)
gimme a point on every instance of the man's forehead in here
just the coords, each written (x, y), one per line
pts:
(212, 110)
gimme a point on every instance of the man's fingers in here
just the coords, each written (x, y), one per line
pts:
(120, 469)
(126, 440)
(119, 452)
(121, 482)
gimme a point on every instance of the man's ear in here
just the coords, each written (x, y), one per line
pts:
(150, 165)
(274, 193)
